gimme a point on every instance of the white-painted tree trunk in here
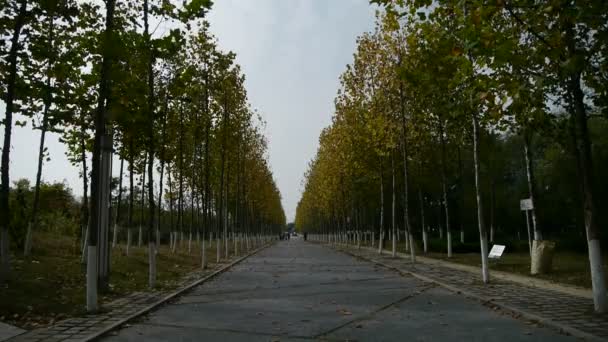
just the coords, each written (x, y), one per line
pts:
(598, 283)
(115, 236)
(483, 239)
(92, 279)
(425, 240)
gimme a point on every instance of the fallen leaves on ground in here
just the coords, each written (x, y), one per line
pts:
(344, 312)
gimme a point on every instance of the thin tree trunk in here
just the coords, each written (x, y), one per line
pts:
(171, 223)
(585, 168)
(162, 173)
(444, 184)
(424, 230)
(151, 139)
(85, 199)
(5, 212)
(119, 199)
(45, 123)
(531, 187)
(483, 239)
(492, 208)
(180, 203)
(143, 201)
(406, 203)
(222, 223)
(131, 195)
(393, 206)
(460, 197)
(381, 231)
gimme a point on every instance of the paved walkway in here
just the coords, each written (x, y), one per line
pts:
(115, 313)
(8, 331)
(550, 306)
(297, 290)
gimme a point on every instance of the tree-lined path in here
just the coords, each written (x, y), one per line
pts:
(296, 290)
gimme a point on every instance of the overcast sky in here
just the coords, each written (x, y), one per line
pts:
(292, 53)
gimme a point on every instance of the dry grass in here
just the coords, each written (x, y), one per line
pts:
(568, 268)
(50, 285)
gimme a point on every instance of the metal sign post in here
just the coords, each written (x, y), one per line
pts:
(526, 205)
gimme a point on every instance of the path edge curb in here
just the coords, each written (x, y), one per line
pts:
(542, 320)
(170, 296)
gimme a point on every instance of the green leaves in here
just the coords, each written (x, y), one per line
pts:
(195, 9)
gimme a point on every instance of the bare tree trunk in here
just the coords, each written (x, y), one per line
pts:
(424, 230)
(444, 184)
(409, 240)
(585, 171)
(45, 124)
(171, 223)
(117, 216)
(84, 222)
(460, 197)
(531, 187)
(393, 205)
(180, 203)
(5, 212)
(96, 181)
(162, 174)
(131, 195)
(143, 201)
(492, 208)
(151, 140)
(483, 239)
(381, 237)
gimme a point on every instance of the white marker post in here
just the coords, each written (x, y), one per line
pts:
(526, 205)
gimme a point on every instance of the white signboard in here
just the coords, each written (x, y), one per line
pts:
(496, 251)
(525, 204)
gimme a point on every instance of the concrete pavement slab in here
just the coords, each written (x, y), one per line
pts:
(297, 291)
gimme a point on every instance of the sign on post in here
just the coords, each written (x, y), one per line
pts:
(526, 204)
(496, 251)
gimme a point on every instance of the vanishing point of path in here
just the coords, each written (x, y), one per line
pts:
(297, 290)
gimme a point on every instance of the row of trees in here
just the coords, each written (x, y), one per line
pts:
(435, 101)
(169, 104)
